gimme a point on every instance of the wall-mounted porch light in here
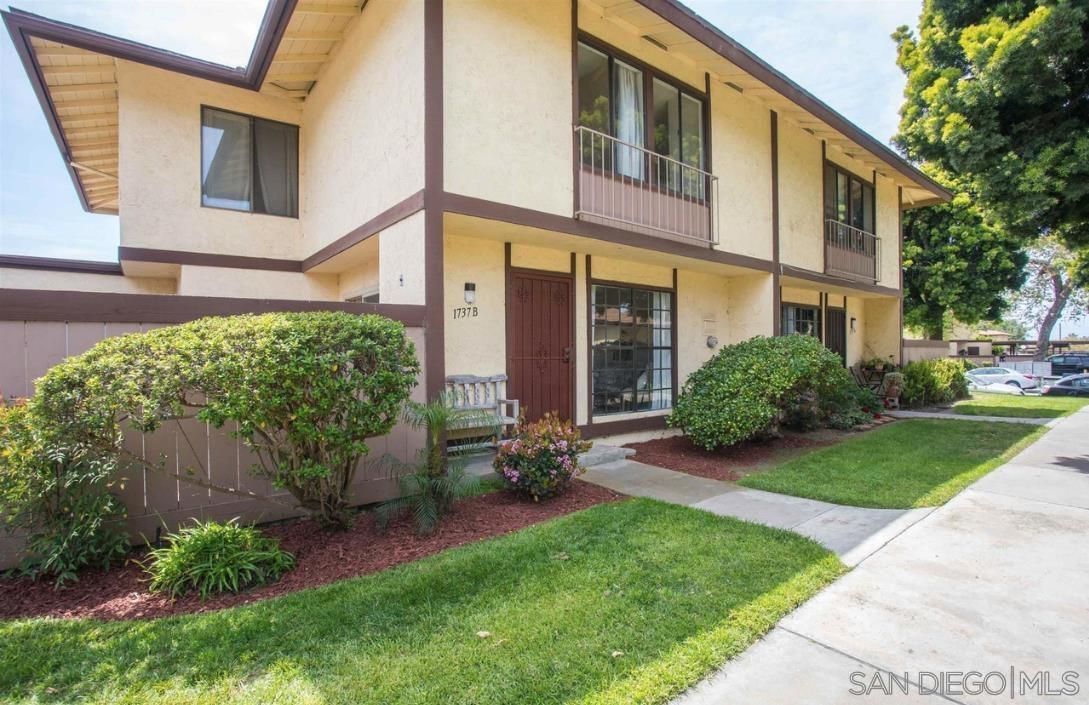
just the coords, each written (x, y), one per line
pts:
(853, 321)
(470, 293)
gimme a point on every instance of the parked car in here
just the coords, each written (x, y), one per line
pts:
(1070, 363)
(1003, 375)
(1072, 386)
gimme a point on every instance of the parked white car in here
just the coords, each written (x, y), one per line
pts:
(1002, 375)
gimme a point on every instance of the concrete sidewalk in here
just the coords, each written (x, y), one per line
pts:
(995, 581)
(944, 415)
(853, 533)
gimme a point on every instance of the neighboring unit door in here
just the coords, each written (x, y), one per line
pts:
(539, 346)
(836, 331)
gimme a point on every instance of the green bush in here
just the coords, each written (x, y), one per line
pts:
(850, 405)
(212, 558)
(934, 382)
(541, 458)
(748, 389)
(59, 500)
(305, 389)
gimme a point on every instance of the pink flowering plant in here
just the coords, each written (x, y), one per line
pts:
(541, 458)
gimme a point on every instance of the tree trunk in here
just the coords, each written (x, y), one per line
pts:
(934, 325)
(1054, 313)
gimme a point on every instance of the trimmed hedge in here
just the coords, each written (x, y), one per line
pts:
(934, 382)
(748, 389)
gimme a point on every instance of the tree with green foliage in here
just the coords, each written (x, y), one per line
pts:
(1058, 282)
(957, 260)
(998, 93)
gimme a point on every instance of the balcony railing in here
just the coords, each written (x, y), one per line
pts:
(851, 252)
(635, 188)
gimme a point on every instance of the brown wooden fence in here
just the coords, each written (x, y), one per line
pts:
(29, 348)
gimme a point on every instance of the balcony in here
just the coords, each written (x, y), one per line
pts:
(634, 188)
(851, 252)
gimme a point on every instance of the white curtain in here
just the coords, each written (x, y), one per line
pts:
(629, 120)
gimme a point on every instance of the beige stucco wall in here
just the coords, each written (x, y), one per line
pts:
(159, 167)
(475, 344)
(531, 257)
(751, 308)
(856, 309)
(881, 337)
(507, 102)
(801, 241)
(13, 278)
(363, 123)
(401, 262)
(703, 309)
(618, 270)
(256, 284)
(741, 158)
(806, 297)
(361, 280)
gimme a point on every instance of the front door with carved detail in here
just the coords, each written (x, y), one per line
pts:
(539, 343)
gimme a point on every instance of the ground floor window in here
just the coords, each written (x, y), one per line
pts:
(631, 349)
(804, 320)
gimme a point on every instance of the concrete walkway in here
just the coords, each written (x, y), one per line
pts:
(996, 582)
(903, 414)
(853, 533)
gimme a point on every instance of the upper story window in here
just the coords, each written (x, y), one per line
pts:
(641, 108)
(249, 163)
(848, 199)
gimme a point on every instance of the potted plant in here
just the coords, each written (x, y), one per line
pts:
(876, 364)
(892, 383)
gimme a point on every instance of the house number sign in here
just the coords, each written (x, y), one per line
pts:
(465, 312)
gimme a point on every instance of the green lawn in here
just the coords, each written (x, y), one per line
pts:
(917, 463)
(1026, 407)
(627, 602)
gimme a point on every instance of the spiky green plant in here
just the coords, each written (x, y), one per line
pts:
(430, 486)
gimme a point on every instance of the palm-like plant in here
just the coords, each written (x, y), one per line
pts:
(437, 479)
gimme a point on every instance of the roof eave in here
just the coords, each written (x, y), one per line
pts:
(715, 39)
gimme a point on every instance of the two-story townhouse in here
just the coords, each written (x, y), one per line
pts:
(591, 197)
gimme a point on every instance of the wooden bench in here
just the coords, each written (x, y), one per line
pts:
(483, 394)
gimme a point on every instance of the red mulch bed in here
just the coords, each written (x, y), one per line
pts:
(320, 558)
(679, 453)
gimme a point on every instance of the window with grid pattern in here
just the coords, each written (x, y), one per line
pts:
(631, 353)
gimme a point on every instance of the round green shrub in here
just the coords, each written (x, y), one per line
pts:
(305, 389)
(748, 389)
(60, 499)
(934, 382)
(213, 558)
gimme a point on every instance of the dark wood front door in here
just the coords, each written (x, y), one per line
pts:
(540, 344)
(835, 332)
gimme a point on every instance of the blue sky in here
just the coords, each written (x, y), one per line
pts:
(840, 50)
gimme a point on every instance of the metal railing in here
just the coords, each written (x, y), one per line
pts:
(851, 252)
(638, 189)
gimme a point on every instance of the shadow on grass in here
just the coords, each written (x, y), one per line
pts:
(916, 463)
(619, 603)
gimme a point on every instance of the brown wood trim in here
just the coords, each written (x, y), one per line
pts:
(516, 215)
(713, 38)
(576, 158)
(387, 218)
(610, 428)
(899, 257)
(433, 198)
(207, 259)
(49, 305)
(776, 289)
(59, 265)
(810, 275)
(674, 328)
(575, 340)
(507, 323)
(589, 340)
